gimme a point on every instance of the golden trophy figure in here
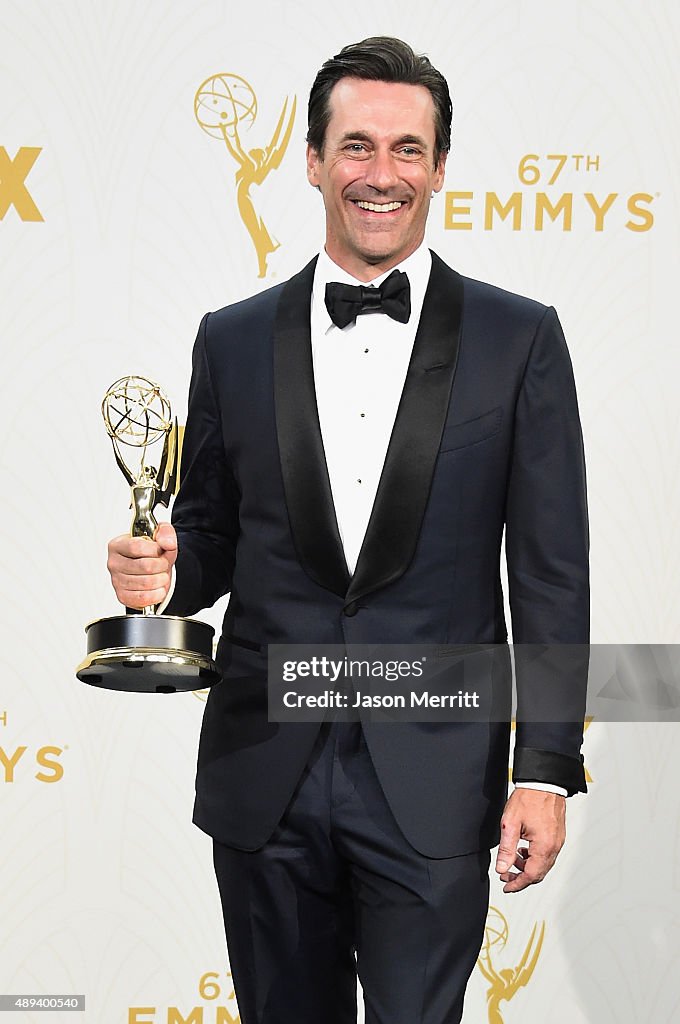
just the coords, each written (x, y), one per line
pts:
(143, 652)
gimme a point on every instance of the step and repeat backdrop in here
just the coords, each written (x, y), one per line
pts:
(152, 168)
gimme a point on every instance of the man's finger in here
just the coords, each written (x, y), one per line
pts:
(132, 583)
(126, 546)
(533, 868)
(118, 565)
(520, 859)
(141, 598)
(530, 875)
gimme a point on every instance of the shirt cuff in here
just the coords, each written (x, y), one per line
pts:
(544, 787)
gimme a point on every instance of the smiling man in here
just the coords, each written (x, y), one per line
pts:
(376, 178)
(358, 440)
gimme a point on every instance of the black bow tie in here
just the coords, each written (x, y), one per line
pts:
(345, 302)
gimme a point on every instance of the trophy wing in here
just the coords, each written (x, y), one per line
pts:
(277, 147)
(526, 966)
(486, 967)
(121, 465)
(167, 471)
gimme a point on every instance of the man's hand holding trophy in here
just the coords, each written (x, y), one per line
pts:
(143, 651)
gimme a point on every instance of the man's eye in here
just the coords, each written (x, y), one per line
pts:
(356, 147)
(410, 151)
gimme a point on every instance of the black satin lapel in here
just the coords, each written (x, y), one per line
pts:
(399, 507)
(303, 461)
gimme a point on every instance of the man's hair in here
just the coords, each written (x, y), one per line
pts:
(379, 59)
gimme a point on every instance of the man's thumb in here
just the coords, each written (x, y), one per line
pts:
(507, 850)
(166, 538)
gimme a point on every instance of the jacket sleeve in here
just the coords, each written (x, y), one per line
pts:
(547, 557)
(205, 512)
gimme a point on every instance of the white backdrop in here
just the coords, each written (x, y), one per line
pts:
(107, 889)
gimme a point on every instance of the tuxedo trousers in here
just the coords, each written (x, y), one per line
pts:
(338, 891)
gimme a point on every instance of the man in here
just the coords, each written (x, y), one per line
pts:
(347, 474)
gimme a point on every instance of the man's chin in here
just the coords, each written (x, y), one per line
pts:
(376, 247)
(390, 255)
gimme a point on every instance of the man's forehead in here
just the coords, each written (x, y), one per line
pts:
(361, 104)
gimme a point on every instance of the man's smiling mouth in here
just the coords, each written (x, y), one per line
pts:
(377, 207)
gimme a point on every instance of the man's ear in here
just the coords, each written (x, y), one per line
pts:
(439, 173)
(313, 161)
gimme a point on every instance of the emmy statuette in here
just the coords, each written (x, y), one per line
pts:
(143, 652)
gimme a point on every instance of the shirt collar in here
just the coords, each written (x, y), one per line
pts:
(417, 266)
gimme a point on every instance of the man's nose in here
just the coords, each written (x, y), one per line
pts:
(381, 172)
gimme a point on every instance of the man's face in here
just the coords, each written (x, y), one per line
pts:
(377, 173)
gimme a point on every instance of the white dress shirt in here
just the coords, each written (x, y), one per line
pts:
(359, 374)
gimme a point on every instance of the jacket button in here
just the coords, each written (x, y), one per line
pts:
(351, 609)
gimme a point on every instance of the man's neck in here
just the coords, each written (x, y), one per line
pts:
(367, 272)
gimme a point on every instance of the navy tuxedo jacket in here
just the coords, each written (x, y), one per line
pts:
(486, 436)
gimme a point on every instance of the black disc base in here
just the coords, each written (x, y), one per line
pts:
(149, 654)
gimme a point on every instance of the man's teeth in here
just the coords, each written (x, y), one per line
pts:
(378, 207)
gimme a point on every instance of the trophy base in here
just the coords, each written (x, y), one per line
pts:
(149, 654)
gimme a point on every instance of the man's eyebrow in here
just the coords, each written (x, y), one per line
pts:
(355, 137)
(414, 140)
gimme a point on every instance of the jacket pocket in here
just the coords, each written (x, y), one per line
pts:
(461, 435)
(239, 641)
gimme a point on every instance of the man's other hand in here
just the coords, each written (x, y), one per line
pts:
(141, 568)
(538, 817)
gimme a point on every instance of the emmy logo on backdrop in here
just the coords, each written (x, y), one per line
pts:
(224, 106)
(504, 983)
(145, 652)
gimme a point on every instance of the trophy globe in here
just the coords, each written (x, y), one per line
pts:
(222, 103)
(495, 930)
(136, 413)
(142, 651)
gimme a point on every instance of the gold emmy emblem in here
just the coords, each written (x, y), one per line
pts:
(145, 652)
(504, 983)
(224, 105)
